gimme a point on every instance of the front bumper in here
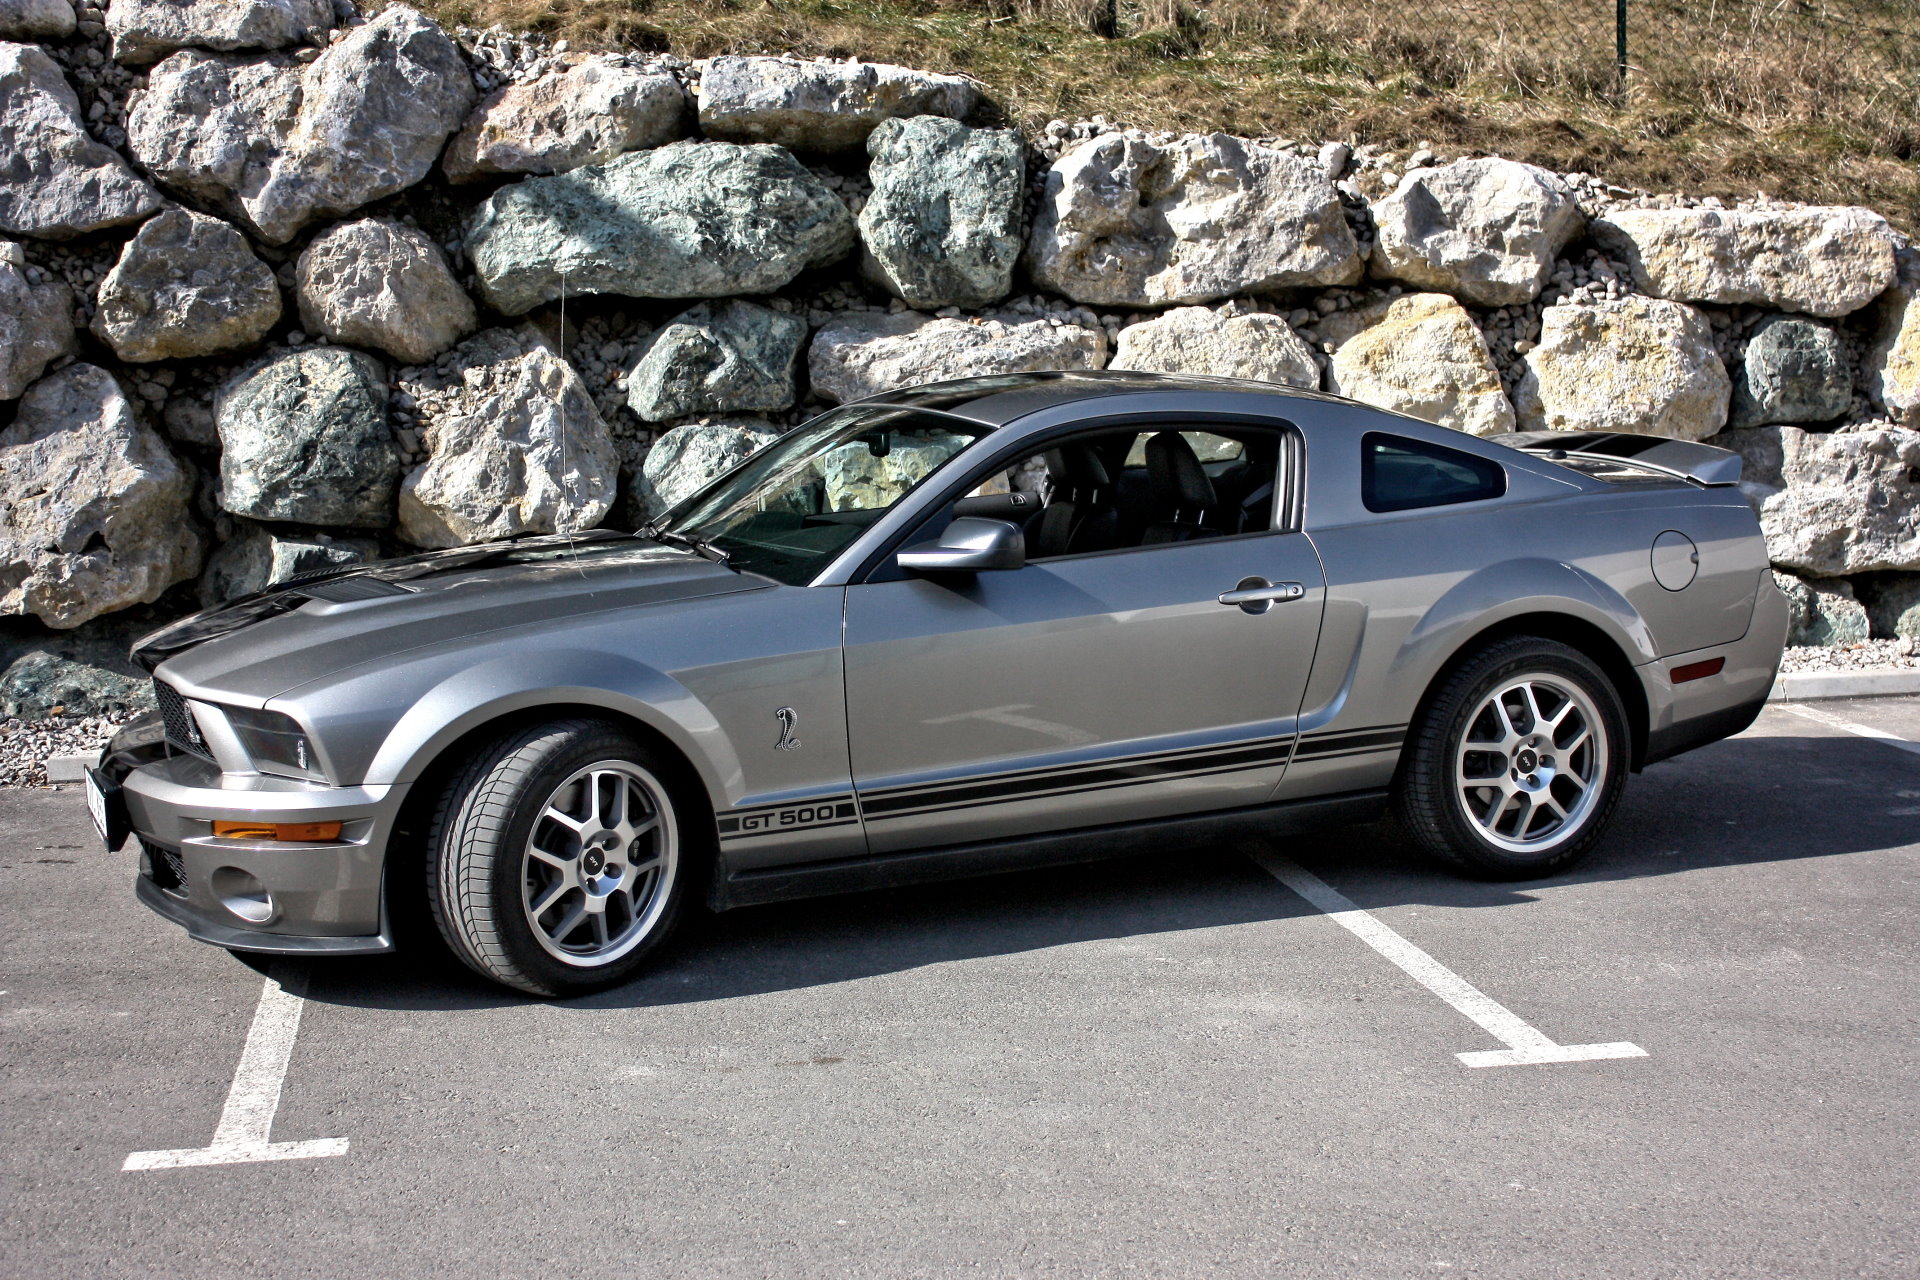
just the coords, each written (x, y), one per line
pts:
(258, 895)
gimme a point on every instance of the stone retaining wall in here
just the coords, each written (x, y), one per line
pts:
(284, 285)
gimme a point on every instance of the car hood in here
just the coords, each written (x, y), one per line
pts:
(259, 646)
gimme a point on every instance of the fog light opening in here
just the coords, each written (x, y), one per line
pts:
(242, 893)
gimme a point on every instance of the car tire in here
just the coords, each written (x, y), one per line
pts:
(561, 857)
(1516, 763)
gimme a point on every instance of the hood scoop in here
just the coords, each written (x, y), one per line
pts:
(347, 590)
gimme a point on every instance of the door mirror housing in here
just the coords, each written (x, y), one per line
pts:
(969, 545)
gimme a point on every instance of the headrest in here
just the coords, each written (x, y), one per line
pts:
(1075, 466)
(1175, 478)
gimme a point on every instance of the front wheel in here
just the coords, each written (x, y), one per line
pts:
(558, 859)
(1517, 763)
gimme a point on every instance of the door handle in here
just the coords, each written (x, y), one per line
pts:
(1257, 595)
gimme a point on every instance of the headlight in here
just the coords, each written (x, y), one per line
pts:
(275, 743)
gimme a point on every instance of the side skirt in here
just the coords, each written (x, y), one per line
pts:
(1021, 853)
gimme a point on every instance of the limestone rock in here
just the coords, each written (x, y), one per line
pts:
(1632, 364)
(1892, 372)
(185, 285)
(1486, 230)
(55, 180)
(1126, 222)
(942, 227)
(1422, 355)
(515, 447)
(864, 353)
(35, 19)
(820, 106)
(687, 220)
(719, 357)
(1894, 607)
(1795, 371)
(93, 506)
(147, 30)
(1821, 261)
(684, 459)
(278, 146)
(1822, 611)
(36, 323)
(855, 480)
(587, 114)
(257, 557)
(1218, 344)
(304, 437)
(378, 283)
(1837, 503)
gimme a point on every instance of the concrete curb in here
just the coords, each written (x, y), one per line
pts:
(69, 768)
(1810, 686)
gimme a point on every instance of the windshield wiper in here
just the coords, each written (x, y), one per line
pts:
(693, 542)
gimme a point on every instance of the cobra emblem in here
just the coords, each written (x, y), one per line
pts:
(787, 716)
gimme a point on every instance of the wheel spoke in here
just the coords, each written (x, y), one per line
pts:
(600, 927)
(554, 860)
(552, 895)
(568, 923)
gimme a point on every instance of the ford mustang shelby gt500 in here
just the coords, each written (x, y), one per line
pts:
(972, 625)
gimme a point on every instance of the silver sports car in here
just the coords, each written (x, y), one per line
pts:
(969, 626)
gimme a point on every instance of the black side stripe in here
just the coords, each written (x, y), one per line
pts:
(1067, 771)
(1350, 742)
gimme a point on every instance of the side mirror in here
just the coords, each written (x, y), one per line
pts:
(968, 546)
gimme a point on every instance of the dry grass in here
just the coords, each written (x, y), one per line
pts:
(1803, 99)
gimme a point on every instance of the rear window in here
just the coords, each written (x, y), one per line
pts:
(1398, 474)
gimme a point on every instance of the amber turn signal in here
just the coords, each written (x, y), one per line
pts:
(303, 832)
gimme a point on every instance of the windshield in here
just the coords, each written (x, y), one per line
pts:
(800, 501)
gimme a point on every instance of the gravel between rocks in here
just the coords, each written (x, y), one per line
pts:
(1869, 655)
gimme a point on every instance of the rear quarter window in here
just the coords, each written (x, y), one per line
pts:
(1398, 474)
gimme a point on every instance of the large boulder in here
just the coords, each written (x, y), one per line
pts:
(1894, 607)
(55, 180)
(379, 283)
(1837, 503)
(854, 479)
(304, 437)
(719, 357)
(35, 19)
(586, 114)
(1892, 371)
(687, 220)
(942, 227)
(820, 106)
(1795, 371)
(864, 353)
(1631, 364)
(1821, 261)
(93, 505)
(1822, 611)
(185, 285)
(1126, 222)
(1421, 355)
(515, 446)
(147, 30)
(1218, 344)
(277, 145)
(257, 557)
(684, 459)
(43, 678)
(1486, 230)
(36, 322)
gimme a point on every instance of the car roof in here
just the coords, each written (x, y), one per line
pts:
(998, 399)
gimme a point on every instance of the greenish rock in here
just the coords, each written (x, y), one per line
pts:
(683, 460)
(687, 220)
(304, 438)
(1795, 371)
(256, 558)
(1822, 611)
(85, 672)
(1893, 606)
(719, 357)
(942, 228)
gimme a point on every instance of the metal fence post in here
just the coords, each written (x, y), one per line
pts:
(1620, 42)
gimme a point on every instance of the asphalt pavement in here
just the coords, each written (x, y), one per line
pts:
(1174, 1065)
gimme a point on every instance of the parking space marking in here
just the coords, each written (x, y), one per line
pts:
(244, 1134)
(1526, 1046)
(1863, 730)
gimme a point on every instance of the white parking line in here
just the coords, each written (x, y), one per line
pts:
(1864, 730)
(1525, 1045)
(244, 1134)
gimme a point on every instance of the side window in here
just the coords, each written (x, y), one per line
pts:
(1397, 474)
(1207, 447)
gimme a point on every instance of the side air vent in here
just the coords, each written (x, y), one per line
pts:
(347, 590)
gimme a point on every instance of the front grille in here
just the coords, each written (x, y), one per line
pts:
(182, 732)
(164, 867)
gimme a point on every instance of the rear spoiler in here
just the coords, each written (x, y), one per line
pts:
(1701, 464)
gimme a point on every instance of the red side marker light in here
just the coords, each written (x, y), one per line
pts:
(1697, 670)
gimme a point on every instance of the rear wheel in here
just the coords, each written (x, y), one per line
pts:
(558, 861)
(1517, 763)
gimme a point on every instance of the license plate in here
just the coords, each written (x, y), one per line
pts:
(107, 808)
(97, 807)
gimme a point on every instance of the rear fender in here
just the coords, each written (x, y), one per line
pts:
(1511, 589)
